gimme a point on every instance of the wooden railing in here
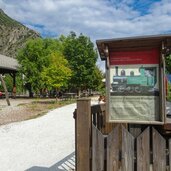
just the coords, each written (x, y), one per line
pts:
(85, 116)
(103, 146)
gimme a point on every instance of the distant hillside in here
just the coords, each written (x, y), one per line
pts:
(13, 35)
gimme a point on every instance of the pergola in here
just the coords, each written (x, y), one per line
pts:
(8, 65)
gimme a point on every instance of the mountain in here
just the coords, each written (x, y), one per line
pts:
(13, 35)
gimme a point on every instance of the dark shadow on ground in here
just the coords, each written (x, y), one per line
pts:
(66, 164)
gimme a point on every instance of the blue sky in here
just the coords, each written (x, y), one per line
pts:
(97, 19)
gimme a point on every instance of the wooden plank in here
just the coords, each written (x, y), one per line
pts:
(169, 154)
(133, 48)
(127, 151)
(159, 152)
(108, 127)
(135, 129)
(137, 122)
(162, 84)
(113, 150)
(97, 150)
(137, 43)
(83, 135)
(143, 151)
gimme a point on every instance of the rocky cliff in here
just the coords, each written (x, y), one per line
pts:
(13, 35)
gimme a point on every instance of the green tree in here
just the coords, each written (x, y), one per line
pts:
(33, 58)
(168, 64)
(9, 83)
(97, 77)
(80, 53)
(57, 74)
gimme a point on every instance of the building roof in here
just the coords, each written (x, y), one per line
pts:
(133, 43)
(7, 64)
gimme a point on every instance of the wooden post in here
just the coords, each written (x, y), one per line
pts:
(83, 135)
(5, 89)
(163, 85)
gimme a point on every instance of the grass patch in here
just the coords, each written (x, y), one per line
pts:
(37, 115)
(40, 108)
(31, 109)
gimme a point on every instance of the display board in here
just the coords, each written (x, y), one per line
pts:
(133, 88)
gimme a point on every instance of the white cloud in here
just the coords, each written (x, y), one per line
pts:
(95, 18)
(61, 16)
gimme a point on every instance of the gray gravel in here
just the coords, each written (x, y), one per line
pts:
(38, 143)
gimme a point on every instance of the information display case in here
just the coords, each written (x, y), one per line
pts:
(134, 85)
(135, 74)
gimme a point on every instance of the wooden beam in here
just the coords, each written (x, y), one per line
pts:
(163, 86)
(83, 135)
(5, 89)
(115, 49)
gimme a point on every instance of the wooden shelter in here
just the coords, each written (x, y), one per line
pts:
(8, 65)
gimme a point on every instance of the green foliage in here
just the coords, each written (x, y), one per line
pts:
(168, 64)
(169, 92)
(32, 58)
(35, 58)
(57, 74)
(9, 83)
(66, 62)
(96, 81)
(19, 83)
(80, 53)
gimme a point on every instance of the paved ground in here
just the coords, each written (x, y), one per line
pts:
(38, 144)
(46, 143)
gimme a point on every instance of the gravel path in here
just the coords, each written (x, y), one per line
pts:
(38, 144)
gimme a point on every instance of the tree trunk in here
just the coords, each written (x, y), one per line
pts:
(29, 88)
(30, 94)
(5, 89)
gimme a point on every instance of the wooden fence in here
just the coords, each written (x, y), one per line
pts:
(102, 146)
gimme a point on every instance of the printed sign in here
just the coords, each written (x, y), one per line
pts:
(134, 86)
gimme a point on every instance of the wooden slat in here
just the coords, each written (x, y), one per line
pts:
(104, 126)
(135, 129)
(108, 127)
(169, 154)
(113, 146)
(133, 48)
(97, 150)
(83, 135)
(127, 151)
(143, 151)
(162, 94)
(159, 152)
(132, 43)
